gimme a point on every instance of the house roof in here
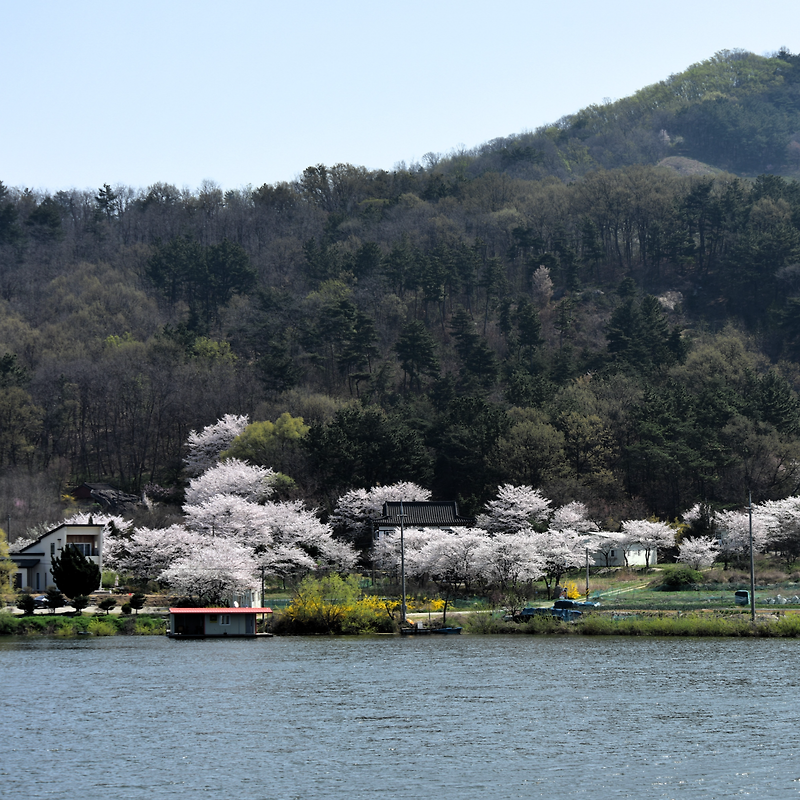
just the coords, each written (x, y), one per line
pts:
(24, 562)
(53, 530)
(220, 611)
(424, 514)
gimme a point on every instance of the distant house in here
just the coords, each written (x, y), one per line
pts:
(86, 490)
(636, 556)
(213, 623)
(35, 562)
(441, 514)
(105, 496)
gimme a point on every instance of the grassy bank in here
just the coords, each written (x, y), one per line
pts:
(66, 626)
(645, 624)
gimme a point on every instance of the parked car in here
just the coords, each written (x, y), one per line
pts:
(567, 610)
(585, 605)
(40, 601)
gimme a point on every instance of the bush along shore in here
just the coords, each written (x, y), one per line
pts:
(595, 624)
(642, 624)
(66, 626)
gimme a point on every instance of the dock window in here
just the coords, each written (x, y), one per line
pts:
(224, 619)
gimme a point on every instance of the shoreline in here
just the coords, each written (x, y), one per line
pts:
(707, 624)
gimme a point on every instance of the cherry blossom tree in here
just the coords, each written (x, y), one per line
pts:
(702, 518)
(733, 531)
(385, 553)
(214, 571)
(205, 447)
(291, 524)
(20, 544)
(509, 559)
(284, 535)
(781, 518)
(150, 551)
(698, 553)
(560, 551)
(232, 477)
(355, 509)
(515, 509)
(113, 524)
(573, 517)
(227, 516)
(450, 559)
(650, 535)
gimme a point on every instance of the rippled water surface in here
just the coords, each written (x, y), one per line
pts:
(452, 717)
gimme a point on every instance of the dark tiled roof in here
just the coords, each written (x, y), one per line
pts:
(431, 514)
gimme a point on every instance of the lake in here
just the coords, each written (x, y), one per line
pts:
(462, 717)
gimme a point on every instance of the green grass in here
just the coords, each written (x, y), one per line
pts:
(65, 626)
(647, 624)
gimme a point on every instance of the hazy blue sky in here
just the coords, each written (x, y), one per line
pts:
(244, 92)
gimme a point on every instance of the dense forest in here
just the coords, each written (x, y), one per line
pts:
(607, 309)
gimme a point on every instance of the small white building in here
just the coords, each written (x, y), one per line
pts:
(35, 562)
(616, 556)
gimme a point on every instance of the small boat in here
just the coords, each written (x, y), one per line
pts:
(417, 629)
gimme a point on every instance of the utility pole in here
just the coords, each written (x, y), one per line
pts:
(402, 567)
(752, 562)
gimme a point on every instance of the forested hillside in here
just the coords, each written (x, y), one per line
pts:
(607, 309)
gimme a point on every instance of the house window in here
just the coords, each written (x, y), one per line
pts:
(84, 548)
(224, 619)
(52, 548)
(613, 554)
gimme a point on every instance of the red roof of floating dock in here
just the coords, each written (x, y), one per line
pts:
(220, 611)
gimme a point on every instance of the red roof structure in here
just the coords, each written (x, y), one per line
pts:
(220, 611)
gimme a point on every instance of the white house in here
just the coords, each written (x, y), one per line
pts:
(615, 556)
(34, 563)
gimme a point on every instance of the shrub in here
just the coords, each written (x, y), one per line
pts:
(677, 577)
(79, 602)
(25, 603)
(137, 601)
(150, 626)
(101, 627)
(55, 599)
(540, 625)
(126, 608)
(107, 604)
(572, 590)
(333, 605)
(489, 623)
(8, 624)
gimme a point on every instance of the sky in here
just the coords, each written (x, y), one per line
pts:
(242, 93)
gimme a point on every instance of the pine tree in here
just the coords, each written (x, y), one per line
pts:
(75, 574)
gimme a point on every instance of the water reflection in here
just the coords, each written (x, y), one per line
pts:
(468, 717)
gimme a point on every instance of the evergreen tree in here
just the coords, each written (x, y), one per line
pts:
(75, 574)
